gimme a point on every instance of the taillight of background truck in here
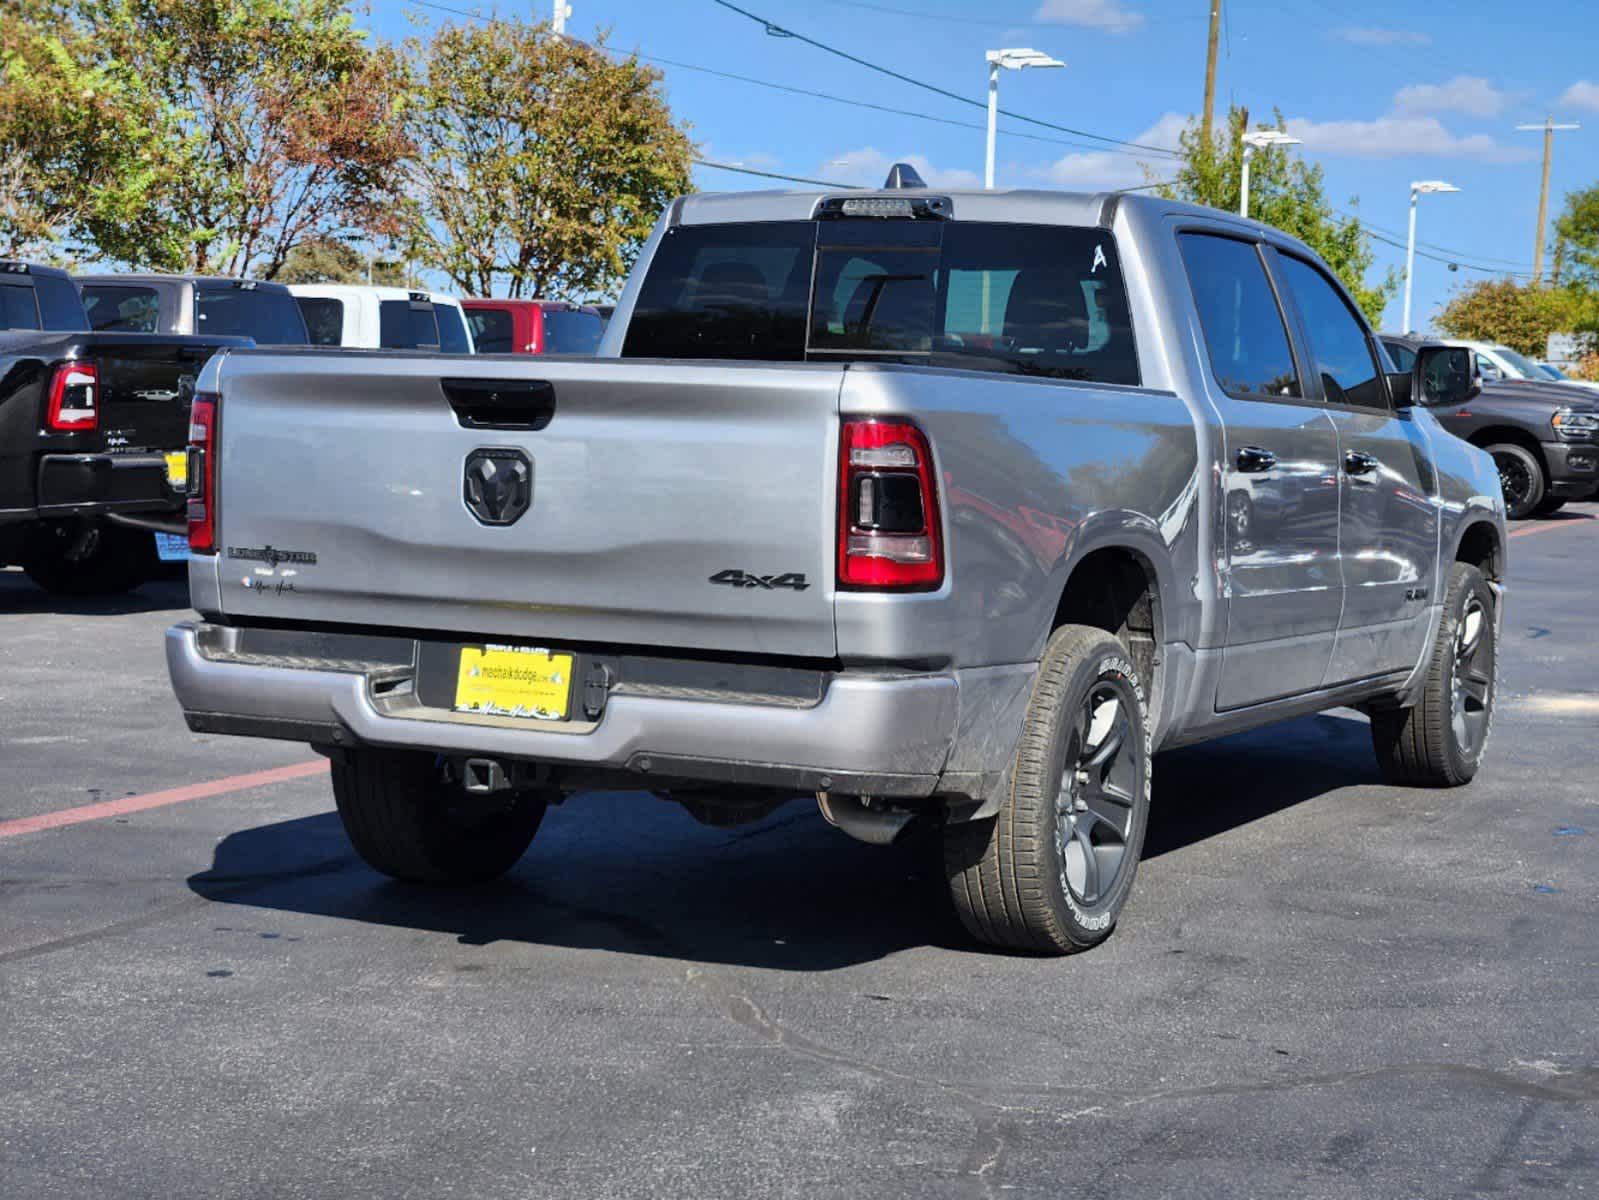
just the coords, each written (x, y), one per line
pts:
(202, 473)
(887, 508)
(74, 398)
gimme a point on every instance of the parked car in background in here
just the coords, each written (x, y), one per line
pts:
(93, 436)
(1497, 363)
(910, 501)
(1556, 374)
(1544, 436)
(358, 317)
(534, 326)
(203, 305)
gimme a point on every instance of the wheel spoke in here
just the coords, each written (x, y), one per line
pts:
(1085, 847)
(1108, 806)
(1475, 687)
(1108, 748)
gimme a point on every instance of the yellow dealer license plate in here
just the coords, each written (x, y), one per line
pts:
(513, 681)
(177, 468)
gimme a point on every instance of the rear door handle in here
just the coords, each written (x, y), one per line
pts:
(1357, 463)
(1254, 459)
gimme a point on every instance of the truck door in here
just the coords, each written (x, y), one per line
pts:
(1388, 524)
(1279, 484)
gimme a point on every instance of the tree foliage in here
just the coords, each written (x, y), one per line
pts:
(247, 126)
(1284, 190)
(1577, 227)
(71, 145)
(328, 260)
(540, 160)
(1521, 316)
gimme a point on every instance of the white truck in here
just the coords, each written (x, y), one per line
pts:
(359, 317)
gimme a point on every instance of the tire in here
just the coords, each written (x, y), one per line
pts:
(1022, 879)
(100, 559)
(407, 820)
(1521, 476)
(1438, 742)
(1550, 505)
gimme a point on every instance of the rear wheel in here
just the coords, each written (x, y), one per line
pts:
(93, 559)
(1521, 478)
(409, 817)
(1438, 741)
(1053, 869)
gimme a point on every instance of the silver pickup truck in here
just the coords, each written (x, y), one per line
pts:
(949, 508)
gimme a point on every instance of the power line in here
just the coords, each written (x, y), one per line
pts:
(902, 112)
(776, 30)
(704, 162)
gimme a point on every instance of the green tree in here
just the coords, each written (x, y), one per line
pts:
(329, 260)
(71, 143)
(1517, 315)
(1284, 190)
(257, 124)
(1577, 228)
(540, 160)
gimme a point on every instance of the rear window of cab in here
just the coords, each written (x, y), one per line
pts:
(1045, 300)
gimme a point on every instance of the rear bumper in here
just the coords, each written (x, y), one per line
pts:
(1573, 468)
(73, 485)
(869, 733)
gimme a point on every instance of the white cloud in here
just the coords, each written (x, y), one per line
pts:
(1375, 35)
(1107, 15)
(1106, 170)
(1397, 136)
(1464, 93)
(869, 166)
(1581, 94)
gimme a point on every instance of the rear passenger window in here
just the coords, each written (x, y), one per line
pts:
(1238, 313)
(452, 330)
(324, 319)
(17, 309)
(114, 308)
(491, 330)
(407, 325)
(59, 306)
(1338, 342)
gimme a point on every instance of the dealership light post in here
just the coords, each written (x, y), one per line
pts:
(1011, 60)
(1417, 189)
(1258, 139)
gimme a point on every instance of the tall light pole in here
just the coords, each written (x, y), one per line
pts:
(1258, 139)
(1549, 127)
(1011, 60)
(1417, 189)
(558, 18)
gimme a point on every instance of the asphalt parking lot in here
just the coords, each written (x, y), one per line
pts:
(1323, 987)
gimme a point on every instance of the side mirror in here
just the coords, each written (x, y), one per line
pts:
(1443, 375)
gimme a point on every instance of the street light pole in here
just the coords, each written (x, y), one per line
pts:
(1011, 60)
(1416, 190)
(1258, 139)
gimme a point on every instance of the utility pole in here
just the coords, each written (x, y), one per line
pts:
(1549, 127)
(563, 10)
(1210, 70)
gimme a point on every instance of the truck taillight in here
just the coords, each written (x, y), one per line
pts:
(74, 398)
(888, 527)
(202, 473)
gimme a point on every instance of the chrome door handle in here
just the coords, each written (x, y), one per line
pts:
(1254, 459)
(1357, 463)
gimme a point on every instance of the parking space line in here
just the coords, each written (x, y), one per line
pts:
(132, 804)
(1546, 525)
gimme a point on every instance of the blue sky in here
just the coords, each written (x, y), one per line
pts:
(1382, 93)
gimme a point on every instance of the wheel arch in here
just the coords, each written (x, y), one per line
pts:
(1117, 586)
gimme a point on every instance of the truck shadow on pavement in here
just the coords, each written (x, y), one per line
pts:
(632, 874)
(20, 595)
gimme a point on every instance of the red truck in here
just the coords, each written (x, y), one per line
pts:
(533, 326)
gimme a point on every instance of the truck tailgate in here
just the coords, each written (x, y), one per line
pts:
(662, 494)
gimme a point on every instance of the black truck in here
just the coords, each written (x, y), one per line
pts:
(92, 434)
(1544, 438)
